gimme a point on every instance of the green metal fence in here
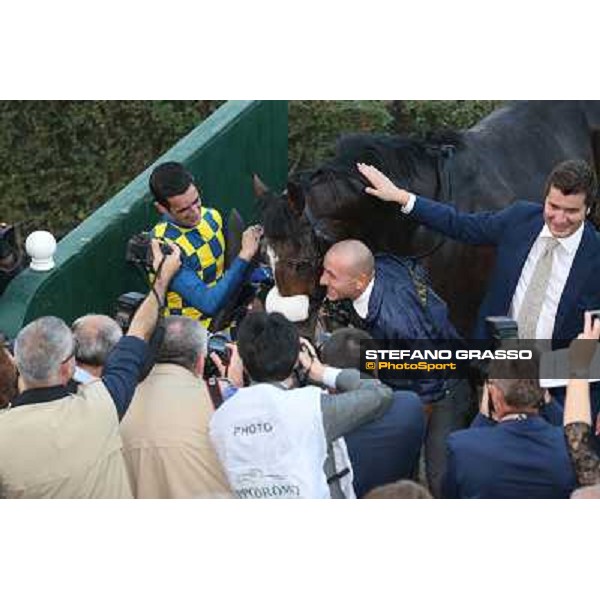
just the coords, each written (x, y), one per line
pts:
(239, 139)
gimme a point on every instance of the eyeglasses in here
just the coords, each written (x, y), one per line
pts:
(71, 355)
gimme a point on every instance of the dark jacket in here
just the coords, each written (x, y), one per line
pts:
(513, 459)
(397, 314)
(513, 231)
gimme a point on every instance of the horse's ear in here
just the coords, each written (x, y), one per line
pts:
(260, 189)
(295, 197)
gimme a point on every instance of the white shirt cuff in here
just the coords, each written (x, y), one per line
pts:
(407, 208)
(330, 374)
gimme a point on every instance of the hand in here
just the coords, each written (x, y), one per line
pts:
(484, 404)
(582, 349)
(250, 241)
(144, 321)
(382, 188)
(234, 371)
(172, 262)
(310, 361)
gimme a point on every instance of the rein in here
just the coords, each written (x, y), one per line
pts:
(315, 225)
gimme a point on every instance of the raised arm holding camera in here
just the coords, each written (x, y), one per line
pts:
(578, 414)
(56, 444)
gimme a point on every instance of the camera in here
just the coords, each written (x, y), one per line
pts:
(139, 249)
(127, 304)
(217, 343)
(503, 328)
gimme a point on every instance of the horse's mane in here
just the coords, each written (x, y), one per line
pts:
(397, 156)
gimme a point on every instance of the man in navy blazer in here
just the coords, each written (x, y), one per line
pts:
(386, 449)
(517, 233)
(515, 454)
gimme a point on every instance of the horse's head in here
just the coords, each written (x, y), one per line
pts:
(294, 251)
(333, 200)
(336, 207)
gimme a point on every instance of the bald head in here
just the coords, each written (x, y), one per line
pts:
(95, 337)
(354, 256)
(347, 270)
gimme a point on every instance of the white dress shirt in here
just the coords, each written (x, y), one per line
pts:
(361, 304)
(562, 260)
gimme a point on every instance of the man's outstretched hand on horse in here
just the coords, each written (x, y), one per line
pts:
(383, 188)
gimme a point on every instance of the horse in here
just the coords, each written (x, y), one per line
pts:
(506, 156)
(295, 255)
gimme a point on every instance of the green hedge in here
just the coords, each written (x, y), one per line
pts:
(62, 159)
(314, 126)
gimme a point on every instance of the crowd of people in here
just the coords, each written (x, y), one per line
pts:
(91, 411)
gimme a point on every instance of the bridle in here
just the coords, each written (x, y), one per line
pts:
(444, 188)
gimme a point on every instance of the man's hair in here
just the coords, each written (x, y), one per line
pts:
(405, 489)
(169, 179)
(95, 337)
(519, 381)
(342, 349)
(41, 348)
(269, 345)
(8, 379)
(184, 342)
(574, 177)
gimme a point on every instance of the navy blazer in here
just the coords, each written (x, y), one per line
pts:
(513, 231)
(387, 449)
(513, 459)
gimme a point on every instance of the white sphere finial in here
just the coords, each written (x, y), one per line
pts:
(41, 245)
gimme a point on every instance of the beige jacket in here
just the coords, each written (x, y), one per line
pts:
(65, 448)
(165, 438)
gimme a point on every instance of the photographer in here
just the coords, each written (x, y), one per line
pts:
(56, 444)
(272, 439)
(11, 259)
(386, 449)
(166, 445)
(201, 288)
(8, 376)
(510, 450)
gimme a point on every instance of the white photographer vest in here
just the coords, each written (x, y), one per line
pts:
(271, 442)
